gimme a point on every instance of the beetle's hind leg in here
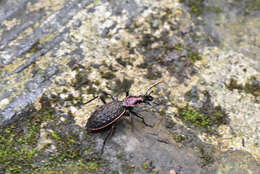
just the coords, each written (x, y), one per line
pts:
(110, 133)
(141, 117)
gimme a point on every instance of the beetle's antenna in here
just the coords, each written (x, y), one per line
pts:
(150, 92)
(152, 87)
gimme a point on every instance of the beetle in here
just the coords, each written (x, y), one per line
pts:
(108, 114)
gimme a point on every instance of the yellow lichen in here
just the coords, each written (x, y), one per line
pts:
(49, 5)
(11, 23)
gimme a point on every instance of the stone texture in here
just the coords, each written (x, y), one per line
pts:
(66, 52)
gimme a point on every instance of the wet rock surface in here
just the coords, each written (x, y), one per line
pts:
(56, 55)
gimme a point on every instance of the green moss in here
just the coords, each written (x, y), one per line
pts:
(18, 146)
(67, 149)
(74, 167)
(192, 116)
(206, 118)
(92, 166)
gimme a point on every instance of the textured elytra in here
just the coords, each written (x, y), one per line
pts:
(105, 115)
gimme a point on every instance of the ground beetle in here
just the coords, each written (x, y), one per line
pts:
(109, 113)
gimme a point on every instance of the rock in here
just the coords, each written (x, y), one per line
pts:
(56, 55)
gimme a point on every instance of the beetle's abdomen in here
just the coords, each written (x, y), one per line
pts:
(105, 115)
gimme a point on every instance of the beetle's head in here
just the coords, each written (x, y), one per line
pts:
(131, 101)
(148, 97)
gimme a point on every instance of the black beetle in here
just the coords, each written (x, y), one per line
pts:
(109, 113)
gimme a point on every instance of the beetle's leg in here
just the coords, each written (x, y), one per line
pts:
(103, 100)
(108, 135)
(91, 100)
(128, 113)
(132, 121)
(127, 93)
(141, 117)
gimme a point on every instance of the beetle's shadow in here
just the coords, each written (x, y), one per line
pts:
(101, 134)
(124, 127)
(120, 125)
(137, 129)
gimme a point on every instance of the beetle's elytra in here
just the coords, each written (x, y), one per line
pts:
(105, 115)
(109, 113)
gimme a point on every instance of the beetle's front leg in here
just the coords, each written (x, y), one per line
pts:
(141, 117)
